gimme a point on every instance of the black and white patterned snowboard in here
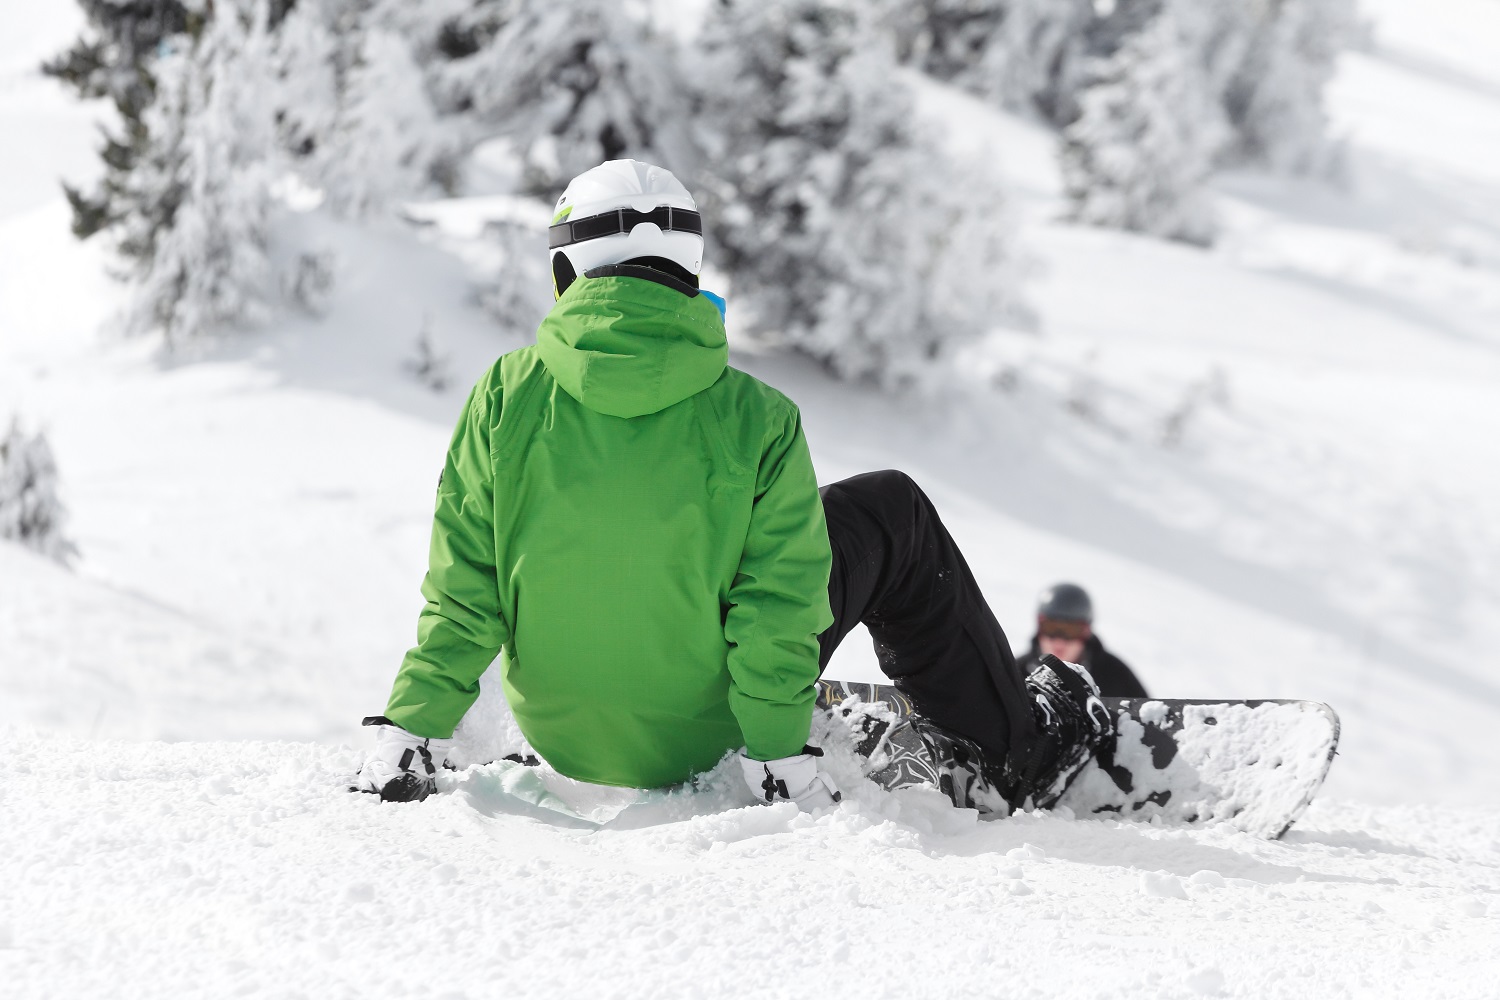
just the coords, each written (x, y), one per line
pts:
(1254, 765)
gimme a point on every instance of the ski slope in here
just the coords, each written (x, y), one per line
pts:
(1273, 463)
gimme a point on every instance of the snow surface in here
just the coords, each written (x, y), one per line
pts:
(228, 869)
(1273, 463)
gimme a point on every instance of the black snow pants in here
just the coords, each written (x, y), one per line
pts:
(897, 570)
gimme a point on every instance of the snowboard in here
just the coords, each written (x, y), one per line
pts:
(1253, 765)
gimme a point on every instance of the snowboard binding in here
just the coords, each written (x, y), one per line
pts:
(1073, 725)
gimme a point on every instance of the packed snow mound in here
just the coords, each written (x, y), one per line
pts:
(224, 869)
(84, 658)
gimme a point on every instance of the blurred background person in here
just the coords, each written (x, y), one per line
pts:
(1065, 628)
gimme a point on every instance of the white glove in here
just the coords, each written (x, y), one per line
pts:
(791, 779)
(402, 766)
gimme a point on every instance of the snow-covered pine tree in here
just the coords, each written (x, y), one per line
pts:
(201, 89)
(355, 106)
(427, 364)
(948, 39)
(388, 141)
(202, 264)
(1023, 54)
(30, 511)
(569, 85)
(1044, 56)
(314, 47)
(1266, 61)
(1274, 99)
(1147, 136)
(114, 58)
(853, 236)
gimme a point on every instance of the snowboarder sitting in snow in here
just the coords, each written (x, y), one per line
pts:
(635, 527)
(1065, 629)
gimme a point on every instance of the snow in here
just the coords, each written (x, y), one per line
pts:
(1272, 463)
(228, 868)
(84, 657)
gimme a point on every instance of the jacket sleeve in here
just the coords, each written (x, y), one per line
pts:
(778, 603)
(461, 628)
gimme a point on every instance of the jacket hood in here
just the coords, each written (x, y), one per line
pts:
(627, 340)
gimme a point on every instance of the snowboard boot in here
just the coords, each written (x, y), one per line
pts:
(1073, 724)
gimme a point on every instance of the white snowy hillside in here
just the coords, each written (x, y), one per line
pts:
(1272, 460)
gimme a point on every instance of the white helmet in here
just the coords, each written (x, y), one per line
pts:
(621, 210)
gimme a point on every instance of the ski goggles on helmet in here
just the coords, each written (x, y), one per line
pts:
(1057, 628)
(623, 220)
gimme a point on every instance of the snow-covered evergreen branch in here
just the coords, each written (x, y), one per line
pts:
(857, 239)
(30, 511)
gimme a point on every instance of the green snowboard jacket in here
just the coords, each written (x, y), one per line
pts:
(637, 526)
